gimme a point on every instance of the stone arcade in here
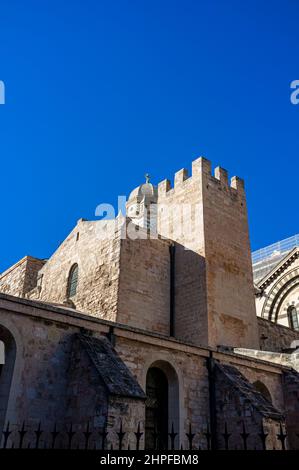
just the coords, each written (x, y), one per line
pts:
(155, 331)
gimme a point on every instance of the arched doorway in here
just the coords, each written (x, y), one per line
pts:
(156, 411)
(6, 372)
(260, 387)
(162, 405)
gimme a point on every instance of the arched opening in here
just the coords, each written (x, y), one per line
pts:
(156, 411)
(260, 387)
(72, 281)
(293, 318)
(162, 405)
(278, 294)
(6, 372)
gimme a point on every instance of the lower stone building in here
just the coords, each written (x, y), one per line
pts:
(148, 337)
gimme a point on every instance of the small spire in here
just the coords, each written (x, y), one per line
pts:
(147, 178)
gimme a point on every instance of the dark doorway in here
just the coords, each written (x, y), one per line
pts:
(156, 411)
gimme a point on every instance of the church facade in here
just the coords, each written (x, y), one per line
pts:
(276, 276)
(152, 321)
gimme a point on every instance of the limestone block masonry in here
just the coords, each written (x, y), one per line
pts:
(21, 278)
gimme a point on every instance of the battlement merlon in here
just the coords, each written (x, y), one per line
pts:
(222, 175)
(202, 168)
(180, 176)
(238, 184)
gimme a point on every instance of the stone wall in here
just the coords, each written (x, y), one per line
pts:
(144, 285)
(275, 337)
(98, 270)
(268, 377)
(127, 413)
(47, 387)
(86, 394)
(21, 277)
(119, 278)
(291, 393)
(12, 280)
(38, 388)
(187, 376)
(54, 381)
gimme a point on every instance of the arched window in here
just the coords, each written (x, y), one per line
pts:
(72, 281)
(293, 318)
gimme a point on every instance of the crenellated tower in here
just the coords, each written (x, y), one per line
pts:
(206, 215)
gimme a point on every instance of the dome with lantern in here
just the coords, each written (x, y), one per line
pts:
(140, 199)
(145, 191)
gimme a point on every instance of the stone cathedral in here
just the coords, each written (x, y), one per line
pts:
(154, 319)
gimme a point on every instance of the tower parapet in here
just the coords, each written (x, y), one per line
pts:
(202, 169)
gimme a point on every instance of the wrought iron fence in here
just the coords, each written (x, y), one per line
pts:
(67, 437)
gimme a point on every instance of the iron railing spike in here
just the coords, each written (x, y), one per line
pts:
(208, 436)
(54, 434)
(244, 435)
(226, 435)
(22, 434)
(120, 435)
(38, 434)
(190, 436)
(74, 436)
(104, 435)
(138, 435)
(6, 434)
(282, 437)
(70, 435)
(172, 436)
(87, 435)
(263, 436)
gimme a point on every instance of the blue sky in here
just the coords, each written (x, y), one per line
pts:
(99, 92)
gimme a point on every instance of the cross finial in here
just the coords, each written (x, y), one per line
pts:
(147, 177)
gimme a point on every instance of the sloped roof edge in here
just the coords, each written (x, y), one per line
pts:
(245, 388)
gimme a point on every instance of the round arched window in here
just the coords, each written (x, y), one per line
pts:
(72, 281)
(293, 318)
